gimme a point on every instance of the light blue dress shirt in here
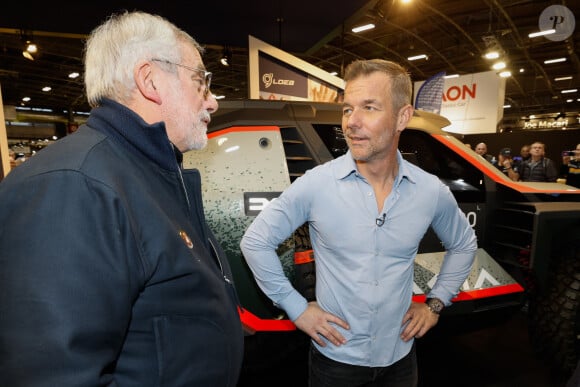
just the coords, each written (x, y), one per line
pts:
(364, 271)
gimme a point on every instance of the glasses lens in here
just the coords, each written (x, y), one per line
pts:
(205, 74)
(207, 82)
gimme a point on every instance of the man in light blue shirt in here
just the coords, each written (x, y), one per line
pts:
(367, 212)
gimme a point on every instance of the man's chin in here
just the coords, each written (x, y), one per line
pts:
(200, 144)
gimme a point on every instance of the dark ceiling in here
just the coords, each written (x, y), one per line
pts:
(453, 33)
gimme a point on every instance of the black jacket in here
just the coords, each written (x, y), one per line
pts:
(109, 274)
(543, 170)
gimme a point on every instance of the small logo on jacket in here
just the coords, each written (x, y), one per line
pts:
(186, 239)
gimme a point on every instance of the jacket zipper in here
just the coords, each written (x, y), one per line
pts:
(219, 262)
(215, 253)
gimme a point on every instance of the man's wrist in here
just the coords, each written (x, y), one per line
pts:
(435, 305)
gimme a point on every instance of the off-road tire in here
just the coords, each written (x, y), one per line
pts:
(554, 314)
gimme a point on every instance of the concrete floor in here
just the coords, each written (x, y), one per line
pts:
(496, 355)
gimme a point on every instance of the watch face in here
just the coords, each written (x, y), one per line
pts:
(435, 305)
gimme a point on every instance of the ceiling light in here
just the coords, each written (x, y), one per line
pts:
(491, 55)
(365, 27)
(30, 50)
(451, 76)
(507, 106)
(417, 57)
(557, 60)
(226, 59)
(522, 70)
(46, 88)
(73, 75)
(505, 74)
(563, 78)
(542, 33)
(569, 91)
(26, 99)
(498, 65)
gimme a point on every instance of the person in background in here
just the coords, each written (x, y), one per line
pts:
(481, 149)
(571, 165)
(367, 212)
(507, 165)
(538, 167)
(110, 275)
(523, 156)
(525, 152)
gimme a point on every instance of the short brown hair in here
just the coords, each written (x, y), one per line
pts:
(401, 88)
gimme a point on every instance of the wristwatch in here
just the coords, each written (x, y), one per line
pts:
(435, 305)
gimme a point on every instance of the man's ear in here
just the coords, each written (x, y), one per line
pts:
(404, 116)
(144, 74)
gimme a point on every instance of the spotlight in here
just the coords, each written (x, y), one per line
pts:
(30, 50)
(226, 59)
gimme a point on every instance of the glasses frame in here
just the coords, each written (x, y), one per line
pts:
(206, 75)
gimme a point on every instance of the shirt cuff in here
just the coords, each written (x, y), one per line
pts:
(294, 305)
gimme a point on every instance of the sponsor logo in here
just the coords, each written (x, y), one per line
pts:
(455, 93)
(545, 124)
(254, 202)
(269, 80)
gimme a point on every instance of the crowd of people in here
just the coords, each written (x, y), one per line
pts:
(533, 165)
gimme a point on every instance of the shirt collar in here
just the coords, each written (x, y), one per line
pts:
(345, 166)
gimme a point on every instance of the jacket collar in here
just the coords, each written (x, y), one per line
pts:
(127, 127)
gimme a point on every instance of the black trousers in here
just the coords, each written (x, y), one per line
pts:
(325, 372)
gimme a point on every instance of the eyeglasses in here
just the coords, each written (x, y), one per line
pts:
(205, 75)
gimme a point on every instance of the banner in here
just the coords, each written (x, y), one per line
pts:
(473, 103)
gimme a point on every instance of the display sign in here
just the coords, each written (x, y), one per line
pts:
(473, 103)
(275, 74)
(548, 123)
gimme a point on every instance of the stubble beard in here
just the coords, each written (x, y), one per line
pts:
(197, 137)
(367, 152)
(360, 153)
